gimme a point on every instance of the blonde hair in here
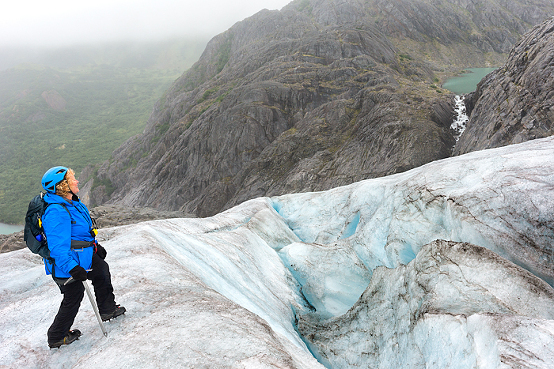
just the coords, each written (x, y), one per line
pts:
(62, 188)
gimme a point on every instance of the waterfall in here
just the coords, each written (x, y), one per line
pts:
(459, 124)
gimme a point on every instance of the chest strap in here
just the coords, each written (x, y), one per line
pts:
(81, 244)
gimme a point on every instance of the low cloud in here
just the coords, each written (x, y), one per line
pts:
(63, 23)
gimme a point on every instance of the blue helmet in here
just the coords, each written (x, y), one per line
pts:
(52, 177)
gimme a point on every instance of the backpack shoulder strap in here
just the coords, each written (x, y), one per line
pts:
(62, 205)
(47, 204)
(66, 209)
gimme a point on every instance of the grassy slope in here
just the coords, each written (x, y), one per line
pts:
(100, 106)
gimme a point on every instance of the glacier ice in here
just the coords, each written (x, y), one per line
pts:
(502, 203)
(446, 265)
(199, 294)
(454, 306)
(331, 290)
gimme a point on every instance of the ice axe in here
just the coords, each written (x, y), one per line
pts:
(93, 303)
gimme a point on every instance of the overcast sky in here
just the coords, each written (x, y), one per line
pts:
(68, 22)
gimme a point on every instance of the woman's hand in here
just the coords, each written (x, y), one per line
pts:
(79, 273)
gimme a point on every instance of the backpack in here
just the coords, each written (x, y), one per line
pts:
(34, 233)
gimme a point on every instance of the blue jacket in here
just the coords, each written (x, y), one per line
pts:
(60, 228)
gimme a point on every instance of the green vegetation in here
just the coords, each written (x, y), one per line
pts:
(222, 96)
(108, 185)
(73, 117)
(161, 129)
(207, 94)
(404, 57)
(436, 88)
(224, 53)
(304, 5)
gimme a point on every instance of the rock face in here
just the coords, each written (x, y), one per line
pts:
(113, 215)
(317, 95)
(516, 102)
(54, 100)
(11, 242)
(488, 26)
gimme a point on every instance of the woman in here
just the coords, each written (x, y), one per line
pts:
(71, 235)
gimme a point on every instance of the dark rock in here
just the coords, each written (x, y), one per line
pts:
(11, 242)
(114, 215)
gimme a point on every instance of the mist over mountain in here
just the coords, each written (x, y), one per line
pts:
(176, 53)
(317, 95)
(62, 23)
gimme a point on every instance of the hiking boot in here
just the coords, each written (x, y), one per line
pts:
(71, 337)
(119, 310)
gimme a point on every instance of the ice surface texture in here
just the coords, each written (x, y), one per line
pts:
(415, 270)
(456, 305)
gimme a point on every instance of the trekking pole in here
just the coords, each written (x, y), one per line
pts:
(93, 303)
(95, 308)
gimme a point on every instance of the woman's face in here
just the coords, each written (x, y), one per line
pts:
(73, 183)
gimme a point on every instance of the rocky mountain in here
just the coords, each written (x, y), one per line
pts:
(516, 102)
(320, 94)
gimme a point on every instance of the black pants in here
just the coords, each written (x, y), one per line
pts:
(73, 295)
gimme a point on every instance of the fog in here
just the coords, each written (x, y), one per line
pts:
(33, 23)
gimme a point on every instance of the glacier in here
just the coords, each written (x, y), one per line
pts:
(446, 265)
